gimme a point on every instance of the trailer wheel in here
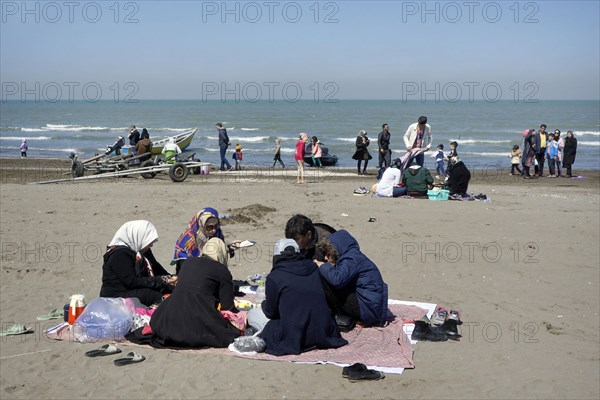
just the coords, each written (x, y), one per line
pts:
(149, 174)
(178, 172)
(77, 169)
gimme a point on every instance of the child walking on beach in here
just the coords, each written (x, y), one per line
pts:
(316, 152)
(238, 156)
(299, 156)
(439, 161)
(515, 156)
(552, 155)
(277, 156)
(24, 147)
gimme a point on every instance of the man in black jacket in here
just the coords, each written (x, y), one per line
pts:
(383, 141)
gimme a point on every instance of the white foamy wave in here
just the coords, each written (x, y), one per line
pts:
(211, 149)
(77, 128)
(583, 133)
(287, 150)
(26, 138)
(250, 129)
(586, 143)
(470, 141)
(484, 154)
(36, 149)
(33, 130)
(248, 139)
(345, 139)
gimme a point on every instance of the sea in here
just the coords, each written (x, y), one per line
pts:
(485, 131)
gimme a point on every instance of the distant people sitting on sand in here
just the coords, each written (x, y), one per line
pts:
(515, 159)
(277, 153)
(383, 144)
(362, 152)
(459, 177)
(223, 145)
(440, 172)
(299, 153)
(418, 136)
(24, 147)
(301, 228)
(528, 152)
(134, 138)
(130, 269)
(203, 226)
(294, 317)
(417, 179)
(316, 152)
(191, 317)
(570, 151)
(238, 156)
(117, 146)
(353, 284)
(170, 151)
(552, 155)
(144, 146)
(390, 183)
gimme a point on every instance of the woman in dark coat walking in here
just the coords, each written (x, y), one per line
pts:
(362, 152)
(569, 152)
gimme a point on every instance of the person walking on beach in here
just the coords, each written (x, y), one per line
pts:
(540, 154)
(418, 136)
(24, 147)
(570, 151)
(223, 145)
(439, 161)
(238, 156)
(528, 152)
(277, 156)
(552, 155)
(383, 142)
(362, 152)
(299, 153)
(515, 156)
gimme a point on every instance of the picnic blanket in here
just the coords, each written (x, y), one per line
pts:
(387, 349)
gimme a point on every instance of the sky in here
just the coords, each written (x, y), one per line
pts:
(263, 50)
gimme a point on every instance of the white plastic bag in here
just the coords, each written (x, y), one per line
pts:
(104, 318)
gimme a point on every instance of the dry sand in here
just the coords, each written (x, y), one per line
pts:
(524, 270)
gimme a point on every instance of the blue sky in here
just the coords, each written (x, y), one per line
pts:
(410, 50)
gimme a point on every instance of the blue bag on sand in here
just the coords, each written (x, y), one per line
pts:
(105, 318)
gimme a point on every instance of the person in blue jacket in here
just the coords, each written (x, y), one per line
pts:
(295, 305)
(353, 282)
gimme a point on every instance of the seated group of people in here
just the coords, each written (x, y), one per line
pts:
(317, 273)
(416, 180)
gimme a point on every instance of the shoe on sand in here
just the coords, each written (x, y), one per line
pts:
(353, 367)
(131, 358)
(106, 350)
(366, 375)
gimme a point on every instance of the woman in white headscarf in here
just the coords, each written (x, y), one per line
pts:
(130, 269)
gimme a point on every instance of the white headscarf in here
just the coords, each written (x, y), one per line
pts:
(135, 234)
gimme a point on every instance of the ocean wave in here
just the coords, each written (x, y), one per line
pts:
(248, 139)
(345, 139)
(77, 128)
(33, 130)
(583, 133)
(470, 141)
(485, 154)
(36, 149)
(19, 138)
(250, 129)
(586, 143)
(10, 128)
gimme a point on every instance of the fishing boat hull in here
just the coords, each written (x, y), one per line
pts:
(183, 140)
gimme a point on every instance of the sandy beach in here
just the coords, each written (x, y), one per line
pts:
(523, 269)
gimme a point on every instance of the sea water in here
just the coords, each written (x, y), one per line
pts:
(485, 131)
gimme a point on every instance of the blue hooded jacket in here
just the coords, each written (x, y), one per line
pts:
(354, 268)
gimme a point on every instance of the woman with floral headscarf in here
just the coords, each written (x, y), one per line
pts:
(202, 227)
(130, 269)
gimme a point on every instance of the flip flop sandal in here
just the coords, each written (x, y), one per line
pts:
(367, 375)
(54, 314)
(106, 350)
(353, 367)
(16, 329)
(131, 358)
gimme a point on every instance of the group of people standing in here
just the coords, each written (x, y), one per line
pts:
(539, 146)
(317, 275)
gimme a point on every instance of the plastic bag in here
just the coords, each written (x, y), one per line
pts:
(248, 344)
(105, 319)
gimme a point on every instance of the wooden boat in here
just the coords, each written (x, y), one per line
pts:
(183, 140)
(327, 160)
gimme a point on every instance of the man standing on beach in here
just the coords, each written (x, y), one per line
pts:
(383, 141)
(540, 155)
(418, 136)
(134, 138)
(223, 145)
